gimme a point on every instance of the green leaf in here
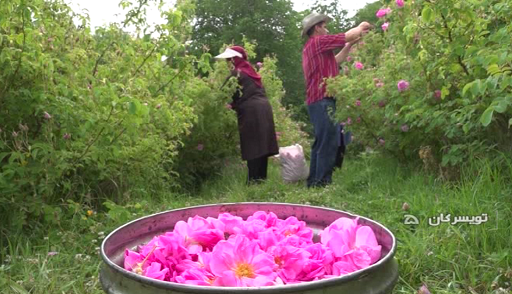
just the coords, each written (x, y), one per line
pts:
(427, 14)
(475, 88)
(445, 92)
(466, 88)
(19, 39)
(487, 116)
(510, 123)
(132, 108)
(493, 69)
(465, 128)
(502, 106)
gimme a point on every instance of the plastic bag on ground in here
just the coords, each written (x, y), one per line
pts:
(293, 163)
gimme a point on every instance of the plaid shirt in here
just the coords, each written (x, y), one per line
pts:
(319, 62)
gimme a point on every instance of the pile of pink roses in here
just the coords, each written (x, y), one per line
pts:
(261, 251)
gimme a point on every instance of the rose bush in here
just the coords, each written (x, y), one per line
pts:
(441, 68)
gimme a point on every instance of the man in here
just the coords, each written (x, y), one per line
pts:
(318, 63)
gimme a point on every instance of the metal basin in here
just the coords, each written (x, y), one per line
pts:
(378, 278)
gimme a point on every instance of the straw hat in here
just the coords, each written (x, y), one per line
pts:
(311, 20)
(229, 53)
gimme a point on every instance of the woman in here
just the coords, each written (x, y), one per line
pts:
(255, 118)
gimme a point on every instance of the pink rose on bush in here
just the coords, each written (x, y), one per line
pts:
(382, 103)
(349, 58)
(358, 120)
(259, 64)
(66, 136)
(379, 85)
(385, 26)
(46, 115)
(349, 121)
(382, 142)
(358, 65)
(402, 85)
(158, 106)
(404, 128)
(383, 12)
(437, 94)
(400, 3)
(357, 103)
(200, 147)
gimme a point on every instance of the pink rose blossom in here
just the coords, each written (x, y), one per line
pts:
(66, 136)
(200, 147)
(241, 263)
(289, 261)
(400, 3)
(357, 103)
(318, 264)
(402, 85)
(379, 85)
(404, 128)
(196, 276)
(383, 12)
(349, 121)
(259, 64)
(385, 26)
(358, 65)
(47, 115)
(437, 94)
(198, 234)
(229, 106)
(382, 142)
(158, 106)
(155, 271)
(231, 222)
(358, 120)
(352, 243)
(349, 58)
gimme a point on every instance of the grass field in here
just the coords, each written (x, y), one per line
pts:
(459, 258)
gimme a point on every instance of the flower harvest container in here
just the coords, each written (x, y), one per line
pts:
(379, 278)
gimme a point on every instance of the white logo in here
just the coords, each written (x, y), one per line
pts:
(411, 220)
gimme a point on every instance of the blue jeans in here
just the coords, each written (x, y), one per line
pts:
(325, 147)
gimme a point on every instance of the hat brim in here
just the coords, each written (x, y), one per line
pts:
(229, 53)
(316, 20)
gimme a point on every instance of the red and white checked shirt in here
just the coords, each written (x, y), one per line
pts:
(319, 62)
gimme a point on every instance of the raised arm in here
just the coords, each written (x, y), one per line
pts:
(357, 32)
(342, 55)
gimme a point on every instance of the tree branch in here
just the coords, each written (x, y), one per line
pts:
(100, 58)
(166, 84)
(459, 58)
(145, 59)
(96, 138)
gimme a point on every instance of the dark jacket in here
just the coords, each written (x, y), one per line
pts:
(255, 119)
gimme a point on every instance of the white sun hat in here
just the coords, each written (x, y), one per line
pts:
(229, 53)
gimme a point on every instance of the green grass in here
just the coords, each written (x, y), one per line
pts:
(458, 258)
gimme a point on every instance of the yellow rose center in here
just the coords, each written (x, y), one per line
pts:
(244, 270)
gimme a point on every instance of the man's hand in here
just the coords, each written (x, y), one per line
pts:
(357, 32)
(365, 27)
